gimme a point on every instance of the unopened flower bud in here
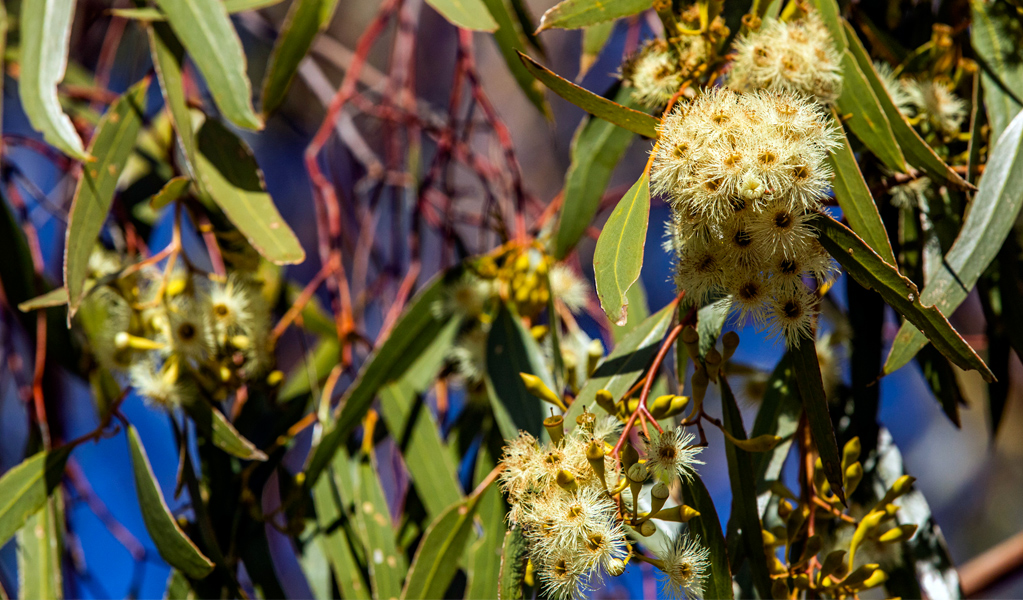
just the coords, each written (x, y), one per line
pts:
(691, 339)
(860, 575)
(615, 567)
(658, 496)
(713, 361)
(677, 514)
(587, 421)
(660, 406)
(896, 534)
(647, 529)
(567, 481)
(606, 400)
(595, 456)
(536, 386)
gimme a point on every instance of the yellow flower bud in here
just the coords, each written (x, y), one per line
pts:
(536, 386)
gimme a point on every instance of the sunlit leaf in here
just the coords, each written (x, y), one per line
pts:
(513, 565)
(25, 487)
(112, 144)
(386, 563)
(230, 175)
(630, 119)
(870, 271)
(618, 257)
(154, 14)
(305, 20)
(171, 542)
(333, 539)
(989, 221)
(205, 30)
(45, 32)
(170, 192)
(41, 551)
(866, 119)
(436, 559)
(168, 57)
(467, 14)
(597, 147)
(992, 38)
(484, 566)
(573, 14)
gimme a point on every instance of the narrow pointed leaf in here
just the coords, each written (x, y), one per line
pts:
(467, 14)
(512, 350)
(597, 147)
(623, 366)
(437, 557)
(573, 14)
(168, 56)
(232, 178)
(40, 553)
(305, 20)
(178, 587)
(988, 223)
(335, 543)
(17, 271)
(744, 492)
(870, 271)
(513, 565)
(312, 371)
(866, 119)
(991, 36)
(598, 106)
(52, 298)
(112, 144)
(618, 257)
(708, 528)
(172, 543)
(24, 489)
(914, 148)
(171, 191)
(807, 370)
(857, 203)
(386, 563)
(510, 40)
(155, 14)
(778, 415)
(831, 14)
(212, 424)
(484, 565)
(45, 31)
(205, 30)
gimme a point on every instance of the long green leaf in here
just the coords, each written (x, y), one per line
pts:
(618, 257)
(778, 415)
(335, 544)
(173, 545)
(168, 57)
(154, 14)
(992, 41)
(17, 271)
(914, 148)
(436, 560)
(413, 332)
(112, 144)
(708, 527)
(510, 40)
(178, 587)
(484, 565)
(870, 271)
(573, 14)
(744, 492)
(597, 147)
(513, 565)
(807, 370)
(24, 489)
(45, 30)
(623, 366)
(598, 106)
(866, 118)
(41, 551)
(205, 30)
(467, 14)
(212, 424)
(857, 203)
(312, 371)
(386, 563)
(232, 178)
(512, 350)
(305, 20)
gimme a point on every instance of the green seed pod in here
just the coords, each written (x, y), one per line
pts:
(629, 456)
(713, 361)
(691, 339)
(586, 421)
(658, 496)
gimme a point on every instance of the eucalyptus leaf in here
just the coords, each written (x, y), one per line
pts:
(807, 370)
(436, 559)
(25, 488)
(574, 14)
(467, 14)
(212, 424)
(514, 554)
(512, 350)
(618, 257)
(510, 40)
(168, 60)
(708, 528)
(386, 563)
(866, 119)
(305, 20)
(990, 34)
(41, 551)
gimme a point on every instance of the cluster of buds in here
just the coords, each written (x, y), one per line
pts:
(744, 174)
(800, 559)
(177, 334)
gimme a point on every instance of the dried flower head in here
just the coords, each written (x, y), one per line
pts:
(789, 56)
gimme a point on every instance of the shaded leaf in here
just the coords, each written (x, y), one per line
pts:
(620, 369)
(168, 56)
(867, 268)
(778, 415)
(484, 567)
(25, 488)
(914, 148)
(618, 257)
(857, 203)
(212, 424)
(413, 332)
(573, 14)
(831, 14)
(170, 192)
(205, 30)
(708, 527)
(630, 119)
(807, 370)
(45, 31)
(155, 14)
(305, 20)
(1002, 61)
(513, 565)
(386, 563)
(710, 320)
(171, 542)
(40, 552)
(436, 559)
(112, 144)
(866, 119)
(467, 14)
(988, 223)
(512, 350)
(744, 492)
(311, 371)
(597, 147)
(178, 587)
(510, 39)
(231, 177)
(333, 539)
(17, 272)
